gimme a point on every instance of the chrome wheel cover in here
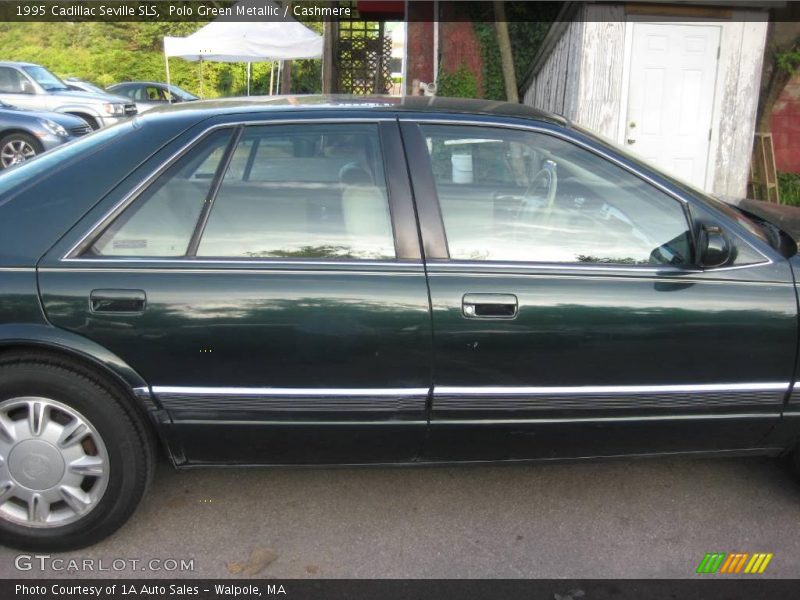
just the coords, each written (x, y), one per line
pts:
(54, 466)
(15, 152)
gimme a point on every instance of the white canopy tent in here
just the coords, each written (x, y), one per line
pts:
(225, 40)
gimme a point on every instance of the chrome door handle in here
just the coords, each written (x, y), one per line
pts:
(489, 306)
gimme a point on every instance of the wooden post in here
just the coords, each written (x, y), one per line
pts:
(286, 77)
(506, 57)
(328, 62)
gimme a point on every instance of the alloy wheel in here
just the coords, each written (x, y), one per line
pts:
(54, 467)
(15, 152)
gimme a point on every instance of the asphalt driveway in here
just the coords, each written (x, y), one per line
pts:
(631, 518)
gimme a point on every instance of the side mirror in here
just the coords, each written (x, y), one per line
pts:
(714, 249)
(27, 88)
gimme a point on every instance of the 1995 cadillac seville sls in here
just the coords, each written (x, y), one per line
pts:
(331, 281)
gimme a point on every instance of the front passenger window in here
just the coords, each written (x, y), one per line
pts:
(511, 195)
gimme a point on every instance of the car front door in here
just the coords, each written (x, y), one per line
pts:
(18, 90)
(570, 318)
(268, 284)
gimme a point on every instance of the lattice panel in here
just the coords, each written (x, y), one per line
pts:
(363, 58)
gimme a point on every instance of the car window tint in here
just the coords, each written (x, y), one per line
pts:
(302, 191)
(162, 219)
(11, 81)
(511, 195)
(154, 94)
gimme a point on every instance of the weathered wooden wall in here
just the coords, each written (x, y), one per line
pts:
(599, 91)
(554, 84)
(581, 74)
(738, 81)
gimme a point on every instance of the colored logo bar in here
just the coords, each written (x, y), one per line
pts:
(734, 562)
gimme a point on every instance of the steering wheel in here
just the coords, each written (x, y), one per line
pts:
(543, 185)
(539, 197)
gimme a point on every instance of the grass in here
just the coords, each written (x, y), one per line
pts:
(789, 185)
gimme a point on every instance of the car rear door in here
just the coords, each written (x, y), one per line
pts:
(569, 319)
(266, 280)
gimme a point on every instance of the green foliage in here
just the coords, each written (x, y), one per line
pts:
(107, 53)
(790, 59)
(789, 186)
(528, 23)
(460, 84)
(494, 87)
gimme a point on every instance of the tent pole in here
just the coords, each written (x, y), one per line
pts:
(278, 89)
(248, 79)
(201, 78)
(271, 75)
(166, 64)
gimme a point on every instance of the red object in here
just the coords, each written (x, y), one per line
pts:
(382, 9)
(786, 128)
(459, 47)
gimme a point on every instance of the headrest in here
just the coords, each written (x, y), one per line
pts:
(355, 174)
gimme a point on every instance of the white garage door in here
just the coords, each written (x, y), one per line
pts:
(673, 69)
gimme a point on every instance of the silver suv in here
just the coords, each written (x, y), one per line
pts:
(32, 86)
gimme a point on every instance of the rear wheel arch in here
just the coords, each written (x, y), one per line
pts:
(33, 352)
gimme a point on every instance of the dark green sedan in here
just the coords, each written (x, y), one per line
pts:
(335, 281)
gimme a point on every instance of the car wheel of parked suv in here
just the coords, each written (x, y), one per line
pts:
(75, 459)
(16, 148)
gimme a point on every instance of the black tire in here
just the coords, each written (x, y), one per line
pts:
(128, 441)
(90, 121)
(19, 137)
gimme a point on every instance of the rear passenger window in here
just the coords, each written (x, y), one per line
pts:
(286, 191)
(302, 191)
(161, 220)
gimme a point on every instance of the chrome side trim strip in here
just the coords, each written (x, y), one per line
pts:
(608, 389)
(535, 421)
(308, 392)
(17, 269)
(225, 402)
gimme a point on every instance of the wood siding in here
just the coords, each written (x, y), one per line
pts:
(738, 81)
(554, 86)
(602, 64)
(582, 75)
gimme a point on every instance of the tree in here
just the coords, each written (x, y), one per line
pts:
(781, 61)
(507, 58)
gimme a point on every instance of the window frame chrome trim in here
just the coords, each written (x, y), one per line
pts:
(685, 202)
(73, 254)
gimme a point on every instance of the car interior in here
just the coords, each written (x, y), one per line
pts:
(314, 195)
(538, 199)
